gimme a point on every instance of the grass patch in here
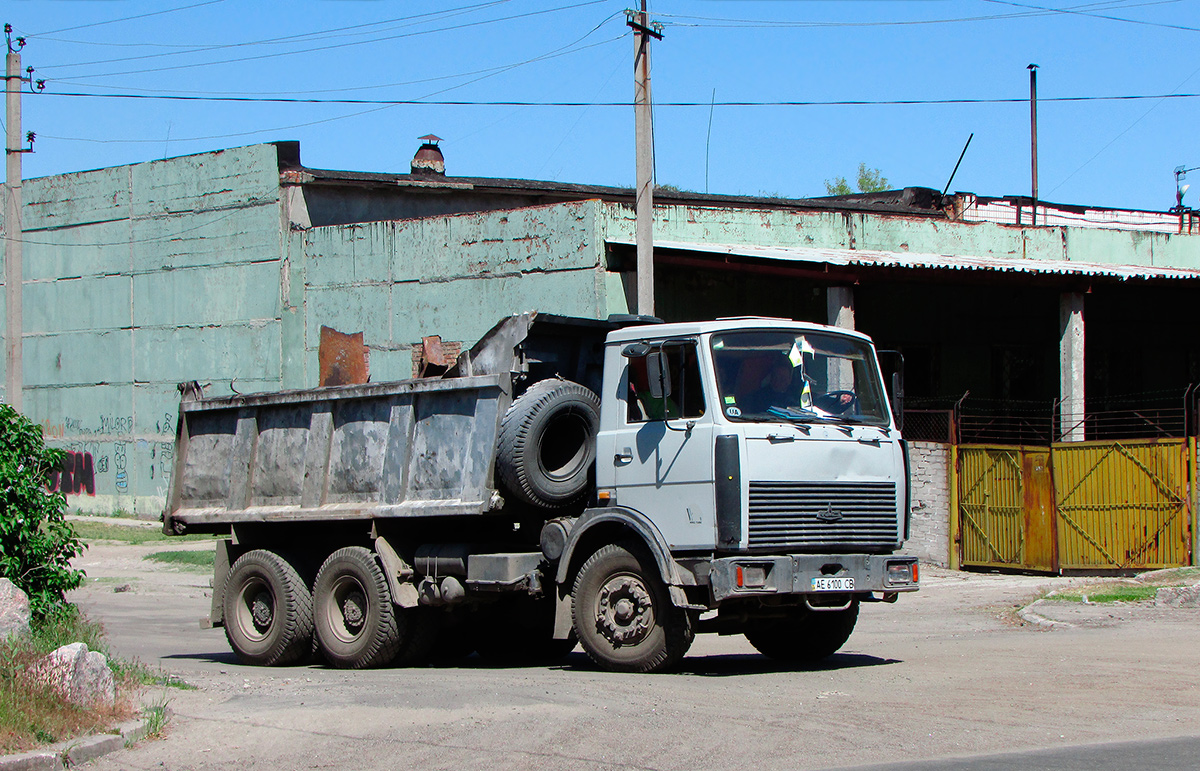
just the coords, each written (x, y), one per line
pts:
(101, 531)
(33, 715)
(1105, 594)
(187, 560)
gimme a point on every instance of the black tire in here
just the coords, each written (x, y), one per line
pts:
(623, 615)
(268, 610)
(804, 637)
(547, 444)
(356, 623)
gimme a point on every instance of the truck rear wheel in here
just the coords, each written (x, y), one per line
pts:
(623, 614)
(805, 636)
(268, 610)
(355, 620)
(547, 444)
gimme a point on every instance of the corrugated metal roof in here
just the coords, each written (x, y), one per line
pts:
(882, 259)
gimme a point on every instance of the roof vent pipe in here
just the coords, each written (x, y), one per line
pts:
(428, 159)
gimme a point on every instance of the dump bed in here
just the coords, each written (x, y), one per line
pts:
(423, 447)
(408, 448)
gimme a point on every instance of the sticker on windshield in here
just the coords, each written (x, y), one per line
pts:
(733, 412)
(729, 398)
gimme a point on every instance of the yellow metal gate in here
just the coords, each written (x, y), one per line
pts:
(1123, 505)
(1075, 506)
(1005, 504)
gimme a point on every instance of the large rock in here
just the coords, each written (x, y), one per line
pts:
(14, 610)
(80, 676)
(1178, 597)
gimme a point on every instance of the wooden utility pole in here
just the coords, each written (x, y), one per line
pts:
(14, 376)
(644, 137)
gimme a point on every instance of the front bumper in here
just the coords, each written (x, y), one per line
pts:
(750, 576)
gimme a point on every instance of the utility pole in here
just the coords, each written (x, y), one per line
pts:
(14, 376)
(644, 137)
(1033, 68)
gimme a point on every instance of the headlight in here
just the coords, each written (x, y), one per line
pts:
(902, 573)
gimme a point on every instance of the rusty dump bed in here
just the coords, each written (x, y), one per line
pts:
(422, 447)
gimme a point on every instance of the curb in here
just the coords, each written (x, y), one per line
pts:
(1028, 613)
(64, 755)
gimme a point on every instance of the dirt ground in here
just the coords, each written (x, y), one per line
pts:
(949, 671)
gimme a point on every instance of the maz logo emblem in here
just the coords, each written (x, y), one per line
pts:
(829, 514)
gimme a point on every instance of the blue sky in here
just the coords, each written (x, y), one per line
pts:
(1118, 153)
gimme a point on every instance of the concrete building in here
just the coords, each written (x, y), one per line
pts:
(223, 268)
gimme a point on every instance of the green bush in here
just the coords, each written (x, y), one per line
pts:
(36, 542)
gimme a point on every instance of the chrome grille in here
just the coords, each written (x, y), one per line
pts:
(803, 514)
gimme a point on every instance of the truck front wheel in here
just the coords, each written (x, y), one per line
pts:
(268, 610)
(623, 614)
(805, 635)
(356, 623)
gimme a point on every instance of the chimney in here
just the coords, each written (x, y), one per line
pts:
(428, 159)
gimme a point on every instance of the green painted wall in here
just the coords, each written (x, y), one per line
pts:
(138, 278)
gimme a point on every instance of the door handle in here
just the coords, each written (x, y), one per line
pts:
(623, 457)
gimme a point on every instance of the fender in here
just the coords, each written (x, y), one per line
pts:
(632, 520)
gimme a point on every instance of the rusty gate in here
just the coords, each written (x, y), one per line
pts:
(1115, 505)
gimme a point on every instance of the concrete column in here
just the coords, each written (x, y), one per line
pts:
(839, 305)
(1070, 365)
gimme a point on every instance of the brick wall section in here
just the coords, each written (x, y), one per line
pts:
(929, 538)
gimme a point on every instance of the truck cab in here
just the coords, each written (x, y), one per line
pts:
(763, 456)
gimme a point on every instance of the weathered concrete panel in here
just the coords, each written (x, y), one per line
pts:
(1175, 251)
(464, 310)
(363, 309)
(93, 303)
(212, 295)
(542, 238)
(223, 179)
(1112, 247)
(351, 254)
(66, 200)
(207, 238)
(76, 358)
(232, 351)
(94, 250)
(691, 224)
(926, 236)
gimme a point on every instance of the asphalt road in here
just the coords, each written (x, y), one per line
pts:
(944, 679)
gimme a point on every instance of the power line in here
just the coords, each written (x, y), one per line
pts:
(486, 71)
(1074, 12)
(298, 51)
(549, 103)
(128, 18)
(327, 34)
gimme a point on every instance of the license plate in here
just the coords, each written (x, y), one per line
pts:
(833, 584)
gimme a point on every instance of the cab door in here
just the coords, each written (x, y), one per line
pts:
(655, 450)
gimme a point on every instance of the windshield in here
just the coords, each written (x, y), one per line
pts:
(772, 375)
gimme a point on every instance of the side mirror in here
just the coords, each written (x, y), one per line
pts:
(658, 373)
(898, 399)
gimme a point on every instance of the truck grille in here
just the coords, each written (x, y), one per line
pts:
(805, 514)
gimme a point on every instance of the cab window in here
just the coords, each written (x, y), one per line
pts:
(684, 397)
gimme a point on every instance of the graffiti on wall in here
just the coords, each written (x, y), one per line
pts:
(108, 445)
(76, 476)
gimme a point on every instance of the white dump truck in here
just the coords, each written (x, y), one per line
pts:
(619, 484)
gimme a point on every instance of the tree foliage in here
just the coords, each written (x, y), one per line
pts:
(869, 181)
(36, 542)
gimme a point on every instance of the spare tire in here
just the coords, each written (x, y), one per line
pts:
(548, 443)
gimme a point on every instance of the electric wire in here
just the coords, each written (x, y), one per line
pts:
(331, 34)
(296, 52)
(126, 18)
